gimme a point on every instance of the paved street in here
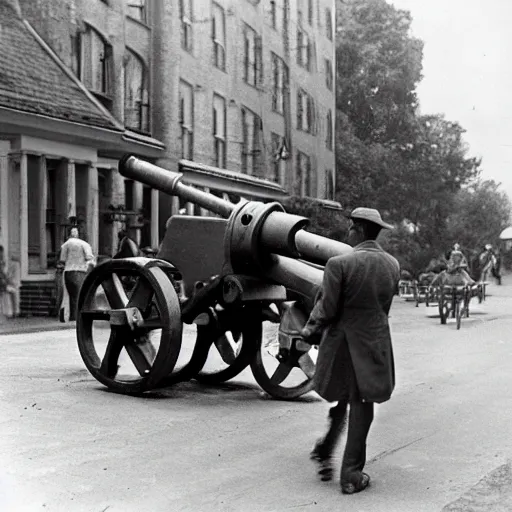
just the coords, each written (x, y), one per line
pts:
(442, 443)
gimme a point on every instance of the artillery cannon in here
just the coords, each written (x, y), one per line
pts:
(227, 276)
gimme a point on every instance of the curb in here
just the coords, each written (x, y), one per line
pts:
(33, 329)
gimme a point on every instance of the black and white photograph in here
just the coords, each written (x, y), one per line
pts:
(255, 256)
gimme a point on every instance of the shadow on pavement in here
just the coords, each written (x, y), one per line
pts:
(236, 390)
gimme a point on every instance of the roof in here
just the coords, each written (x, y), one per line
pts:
(230, 181)
(33, 80)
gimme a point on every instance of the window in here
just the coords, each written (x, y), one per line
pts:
(328, 23)
(303, 49)
(136, 98)
(329, 77)
(219, 130)
(329, 131)
(219, 36)
(329, 184)
(305, 112)
(303, 179)
(278, 164)
(253, 57)
(310, 12)
(186, 24)
(279, 83)
(251, 142)
(95, 62)
(187, 120)
(137, 9)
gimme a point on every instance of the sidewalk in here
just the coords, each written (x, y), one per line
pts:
(32, 324)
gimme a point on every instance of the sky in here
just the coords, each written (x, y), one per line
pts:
(467, 74)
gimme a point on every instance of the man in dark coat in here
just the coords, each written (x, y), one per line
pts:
(355, 360)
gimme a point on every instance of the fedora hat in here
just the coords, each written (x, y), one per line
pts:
(369, 215)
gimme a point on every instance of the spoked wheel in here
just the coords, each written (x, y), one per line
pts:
(459, 309)
(234, 336)
(481, 293)
(129, 324)
(285, 371)
(440, 306)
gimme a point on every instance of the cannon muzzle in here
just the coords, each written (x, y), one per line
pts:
(170, 183)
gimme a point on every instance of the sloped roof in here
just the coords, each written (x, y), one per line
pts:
(32, 80)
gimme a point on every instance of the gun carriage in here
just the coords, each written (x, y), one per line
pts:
(226, 275)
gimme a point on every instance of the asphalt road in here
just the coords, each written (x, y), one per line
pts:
(442, 443)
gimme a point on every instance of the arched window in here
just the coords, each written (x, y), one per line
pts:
(136, 98)
(96, 62)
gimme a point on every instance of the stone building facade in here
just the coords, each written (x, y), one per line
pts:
(244, 85)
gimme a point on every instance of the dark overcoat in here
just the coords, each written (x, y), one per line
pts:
(352, 311)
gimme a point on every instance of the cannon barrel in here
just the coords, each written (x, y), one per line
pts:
(170, 183)
(275, 232)
(318, 249)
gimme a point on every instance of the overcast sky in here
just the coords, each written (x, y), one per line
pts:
(467, 70)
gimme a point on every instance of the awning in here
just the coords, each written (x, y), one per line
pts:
(231, 182)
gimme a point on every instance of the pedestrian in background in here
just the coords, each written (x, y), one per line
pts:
(13, 276)
(77, 259)
(128, 247)
(355, 365)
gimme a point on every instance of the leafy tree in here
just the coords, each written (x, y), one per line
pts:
(480, 213)
(378, 68)
(411, 167)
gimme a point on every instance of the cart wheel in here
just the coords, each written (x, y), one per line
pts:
(129, 324)
(285, 370)
(285, 375)
(232, 342)
(443, 307)
(458, 312)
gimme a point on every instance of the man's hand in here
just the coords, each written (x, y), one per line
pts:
(310, 337)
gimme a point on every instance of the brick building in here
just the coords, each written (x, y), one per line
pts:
(244, 85)
(249, 87)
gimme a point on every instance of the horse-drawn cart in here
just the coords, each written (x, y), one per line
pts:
(454, 300)
(426, 294)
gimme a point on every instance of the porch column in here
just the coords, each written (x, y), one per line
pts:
(175, 205)
(155, 198)
(203, 211)
(137, 204)
(23, 215)
(71, 189)
(190, 206)
(43, 202)
(4, 197)
(225, 196)
(92, 209)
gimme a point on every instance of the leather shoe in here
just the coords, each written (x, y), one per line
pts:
(325, 466)
(352, 488)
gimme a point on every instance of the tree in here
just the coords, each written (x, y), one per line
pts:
(480, 213)
(378, 68)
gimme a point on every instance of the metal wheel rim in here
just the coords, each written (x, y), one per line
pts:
(154, 288)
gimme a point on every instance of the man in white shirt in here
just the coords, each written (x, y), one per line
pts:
(77, 257)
